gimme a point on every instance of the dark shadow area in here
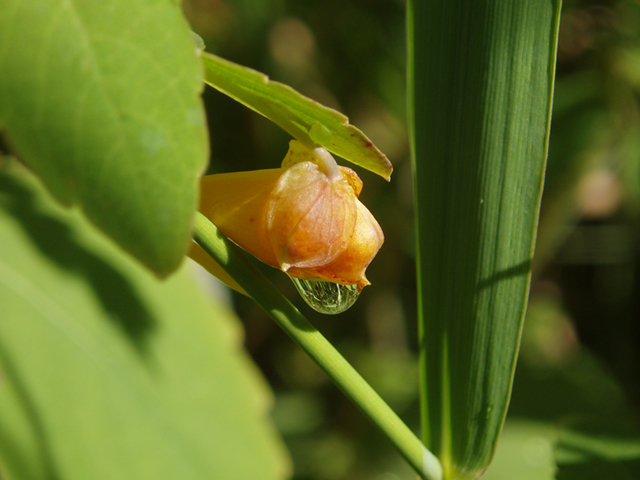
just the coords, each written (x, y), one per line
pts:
(57, 241)
(596, 468)
(548, 394)
(595, 449)
(598, 273)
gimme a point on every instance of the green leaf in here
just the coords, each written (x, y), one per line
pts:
(481, 81)
(101, 100)
(304, 119)
(108, 372)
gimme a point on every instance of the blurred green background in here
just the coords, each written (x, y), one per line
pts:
(580, 355)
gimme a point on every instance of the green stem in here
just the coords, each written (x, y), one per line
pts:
(316, 346)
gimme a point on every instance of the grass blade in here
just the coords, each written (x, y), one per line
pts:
(481, 83)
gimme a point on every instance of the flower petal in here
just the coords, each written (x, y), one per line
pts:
(311, 217)
(304, 218)
(237, 203)
(349, 267)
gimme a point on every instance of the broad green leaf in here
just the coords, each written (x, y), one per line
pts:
(108, 372)
(304, 119)
(481, 81)
(101, 100)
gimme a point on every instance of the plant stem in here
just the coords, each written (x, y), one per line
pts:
(316, 346)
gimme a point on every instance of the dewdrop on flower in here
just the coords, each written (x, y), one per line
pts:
(303, 218)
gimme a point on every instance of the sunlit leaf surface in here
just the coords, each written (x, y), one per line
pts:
(101, 100)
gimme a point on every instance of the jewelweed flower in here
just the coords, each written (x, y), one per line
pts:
(303, 218)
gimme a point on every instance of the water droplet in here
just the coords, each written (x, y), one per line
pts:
(327, 297)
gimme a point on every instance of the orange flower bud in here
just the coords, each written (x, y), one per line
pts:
(303, 218)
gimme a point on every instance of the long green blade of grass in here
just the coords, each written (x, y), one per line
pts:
(480, 89)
